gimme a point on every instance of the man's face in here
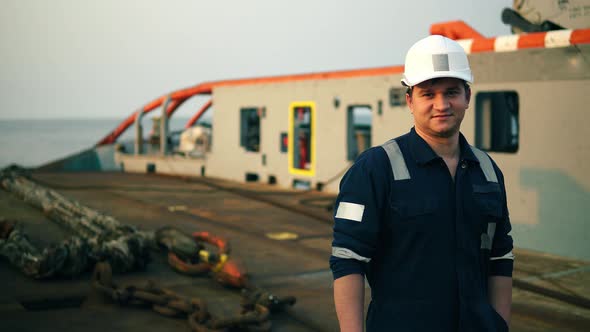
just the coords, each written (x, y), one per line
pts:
(438, 106)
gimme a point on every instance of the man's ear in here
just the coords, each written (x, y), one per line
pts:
(409, 102)
(468, 94)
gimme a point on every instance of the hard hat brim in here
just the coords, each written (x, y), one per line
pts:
(466, 76)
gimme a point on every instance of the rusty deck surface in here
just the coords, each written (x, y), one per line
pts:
(245, 214)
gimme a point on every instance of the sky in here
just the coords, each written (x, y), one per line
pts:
(105, 59)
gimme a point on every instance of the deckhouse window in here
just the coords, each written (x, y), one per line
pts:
(496, 121)
(250, 129)
(358, 130)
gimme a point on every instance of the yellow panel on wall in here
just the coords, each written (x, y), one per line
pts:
(302, 152)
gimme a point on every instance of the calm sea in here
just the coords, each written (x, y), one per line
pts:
(32, 143)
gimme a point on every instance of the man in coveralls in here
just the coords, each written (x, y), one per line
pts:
(424, 216)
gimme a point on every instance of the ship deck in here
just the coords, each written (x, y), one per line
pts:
(551, 293)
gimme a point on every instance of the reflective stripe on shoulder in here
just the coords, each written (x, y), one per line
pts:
(396, 158)
(486, 164)
(348, 254)
(509, 255)
(350, 211)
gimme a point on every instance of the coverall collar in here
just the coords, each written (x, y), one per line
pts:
(423, 153)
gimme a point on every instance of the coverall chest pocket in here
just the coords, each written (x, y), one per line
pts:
(416, 213)
(488, 199)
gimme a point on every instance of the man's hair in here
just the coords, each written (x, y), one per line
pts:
(434, 80)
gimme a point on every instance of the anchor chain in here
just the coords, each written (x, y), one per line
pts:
(256, 305)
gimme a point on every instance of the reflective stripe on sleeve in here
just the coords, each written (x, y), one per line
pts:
(350, 211)
(491, 230)
(348, 254)
(488, 238)
(509, 255)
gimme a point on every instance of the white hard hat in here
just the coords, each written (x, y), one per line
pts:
(436, 56)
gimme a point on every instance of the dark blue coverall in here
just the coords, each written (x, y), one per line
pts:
(426, 244)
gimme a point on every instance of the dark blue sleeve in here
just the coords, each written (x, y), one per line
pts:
(502, 259)
(358, 212)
